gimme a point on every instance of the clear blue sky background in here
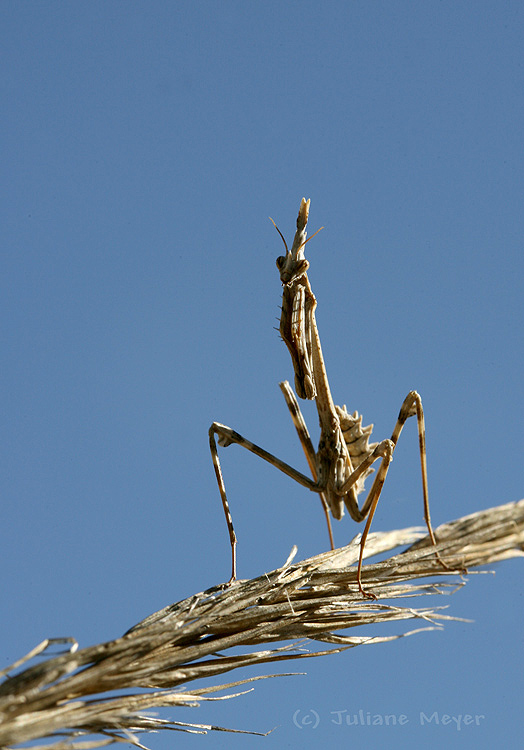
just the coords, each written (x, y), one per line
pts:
(144, 146)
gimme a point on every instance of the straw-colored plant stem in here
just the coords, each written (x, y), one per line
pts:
(65, 697)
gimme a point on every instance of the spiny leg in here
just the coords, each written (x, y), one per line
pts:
(411, 406)
(227, 436)
(225, 504)
(307, 445)
(417, 406)
(370, 507)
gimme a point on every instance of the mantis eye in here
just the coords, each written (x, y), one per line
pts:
(280, 261)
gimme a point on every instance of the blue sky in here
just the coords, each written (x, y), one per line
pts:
(144, 147)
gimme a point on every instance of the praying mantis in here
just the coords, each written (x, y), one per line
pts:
(345, 457)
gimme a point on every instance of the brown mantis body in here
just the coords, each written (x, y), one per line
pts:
(345, 456)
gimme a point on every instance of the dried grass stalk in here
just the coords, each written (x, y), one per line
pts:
(66, 696)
